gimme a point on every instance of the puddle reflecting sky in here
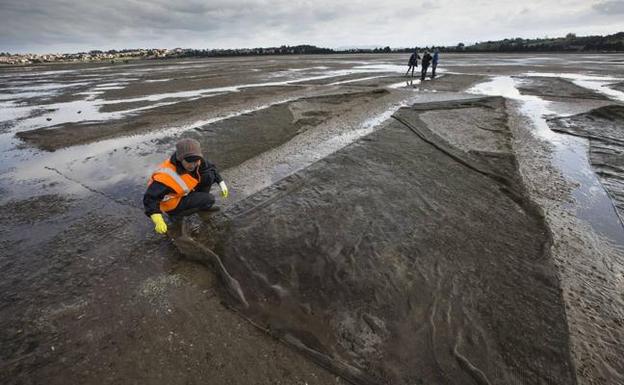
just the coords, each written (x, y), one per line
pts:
(88, 107)
(570, 154)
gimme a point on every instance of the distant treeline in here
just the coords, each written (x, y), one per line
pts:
(569, 43)
(283, 50)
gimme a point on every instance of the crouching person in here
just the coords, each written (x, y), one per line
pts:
(181, 186)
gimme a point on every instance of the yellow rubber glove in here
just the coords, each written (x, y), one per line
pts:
(159, 223)
(224, 190)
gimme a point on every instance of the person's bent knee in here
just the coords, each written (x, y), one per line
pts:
(207, 200)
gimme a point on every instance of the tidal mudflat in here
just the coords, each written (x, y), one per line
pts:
(383, 230)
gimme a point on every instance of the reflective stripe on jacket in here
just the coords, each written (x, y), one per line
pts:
(182, 185)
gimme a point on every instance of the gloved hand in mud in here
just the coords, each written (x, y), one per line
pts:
(224, 190)
(159, 223)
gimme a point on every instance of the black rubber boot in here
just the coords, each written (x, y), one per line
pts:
(177, 227)
(207, 213)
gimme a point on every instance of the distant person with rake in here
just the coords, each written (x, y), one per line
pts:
(412, 63)
(426, 60)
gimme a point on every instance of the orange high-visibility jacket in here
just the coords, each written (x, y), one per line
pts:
(181, 184)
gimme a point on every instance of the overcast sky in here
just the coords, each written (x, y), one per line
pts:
(42, 26)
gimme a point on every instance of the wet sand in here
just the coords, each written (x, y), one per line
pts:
(619, 86)
(588, 262)
(182, 113)
(556, 87)
(90, 295)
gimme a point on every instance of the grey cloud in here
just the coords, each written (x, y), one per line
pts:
(76, 21)
(56, 24)
(610, 7)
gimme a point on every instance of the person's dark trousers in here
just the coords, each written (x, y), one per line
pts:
(424, 72)
(433, 68)
(408, 70)
(199, 200)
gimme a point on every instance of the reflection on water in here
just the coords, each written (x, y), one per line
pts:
(88, 108)
(570, 156)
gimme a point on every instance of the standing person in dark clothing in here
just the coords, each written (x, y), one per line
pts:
(181, 185)
(412, 63)
(426, 60)
(434, 62)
